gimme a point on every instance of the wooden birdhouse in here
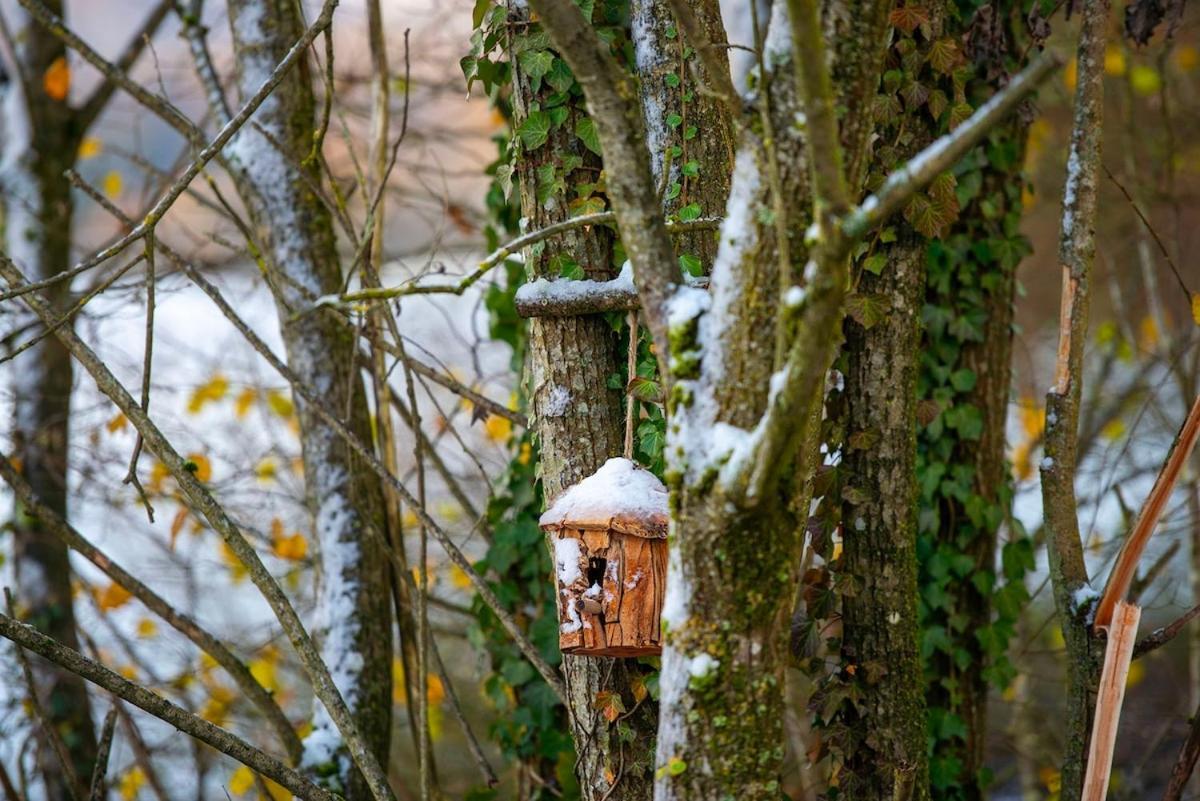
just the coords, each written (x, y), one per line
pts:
(609, 534)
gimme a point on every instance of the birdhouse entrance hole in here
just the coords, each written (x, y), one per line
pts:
(610, 557)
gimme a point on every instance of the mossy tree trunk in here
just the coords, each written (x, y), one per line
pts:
(579, 417)
(272, 162)
(885, 750)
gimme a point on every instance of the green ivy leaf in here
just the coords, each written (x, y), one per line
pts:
(868, 310)
(585, 129)
(535, 130)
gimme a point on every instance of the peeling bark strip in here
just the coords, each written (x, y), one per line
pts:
(295, 235)
(1110, 695)
(1068, 573)
(1131, 550)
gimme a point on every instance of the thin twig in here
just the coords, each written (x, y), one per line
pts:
(1150, 228)
(70, 778)
(58, 527)
(1160, 637)
(99, 786)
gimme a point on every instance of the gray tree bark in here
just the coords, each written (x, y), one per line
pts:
(293, 233)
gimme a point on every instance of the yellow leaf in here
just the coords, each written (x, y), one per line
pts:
(241, 781)
(526, 453)
(237, 570)
(245, 400)
(158, 474)
(1137, 672)
(118, 423)
(279, 403)
(459, 577)
(212, 390)
(1148, 333)
(112, 183)
(56, 80)
(1196, 308)
(177, 524)
(263, 671)
(497, 428)
(1145, 80)
(200, 466)
(1071, 74)
(146, 628)
(128, 671)
(113, 596)
(1114, 61)
(89, 148)
(131, 782)
(1051, 778)
(265, 469)
(294, 547)
(397, 681)
(435, 691)
(1113, 429)
(1186, 58)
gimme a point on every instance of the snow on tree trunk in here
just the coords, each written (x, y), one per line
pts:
(39, 145)
(294, 234)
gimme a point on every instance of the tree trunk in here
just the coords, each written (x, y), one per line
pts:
(40, 144)
(579, 421)
(885, 750)
(271, 162)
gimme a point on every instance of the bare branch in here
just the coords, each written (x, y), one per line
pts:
(71, 778)
(226, 742)
(1160, 637)
(203, 157)
(100, 96)
(716, 64)
(60, 528)
(202, 501)
(99, 789)
(116, 75)
(503, 252)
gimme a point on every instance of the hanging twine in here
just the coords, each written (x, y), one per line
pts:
(630, 400)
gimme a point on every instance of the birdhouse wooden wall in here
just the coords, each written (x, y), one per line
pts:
(609, 537)
(610, 592)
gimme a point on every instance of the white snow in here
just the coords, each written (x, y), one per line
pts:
(566, 559)
(620, 486)
(592, 591)
(1047, 463)
(701, 665)
(686, 304)
(1083, 595)
(558, 401)
(794, 297)
(543, 290)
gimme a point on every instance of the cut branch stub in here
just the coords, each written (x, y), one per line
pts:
(610, 557)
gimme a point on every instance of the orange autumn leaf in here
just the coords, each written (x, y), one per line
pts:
(177, 524)
(56, 80)
(200, 466)
(293, 548)
(112, 597)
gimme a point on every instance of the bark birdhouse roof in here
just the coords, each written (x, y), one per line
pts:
(620, 496)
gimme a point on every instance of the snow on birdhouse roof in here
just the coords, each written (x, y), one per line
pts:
(620, 495)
